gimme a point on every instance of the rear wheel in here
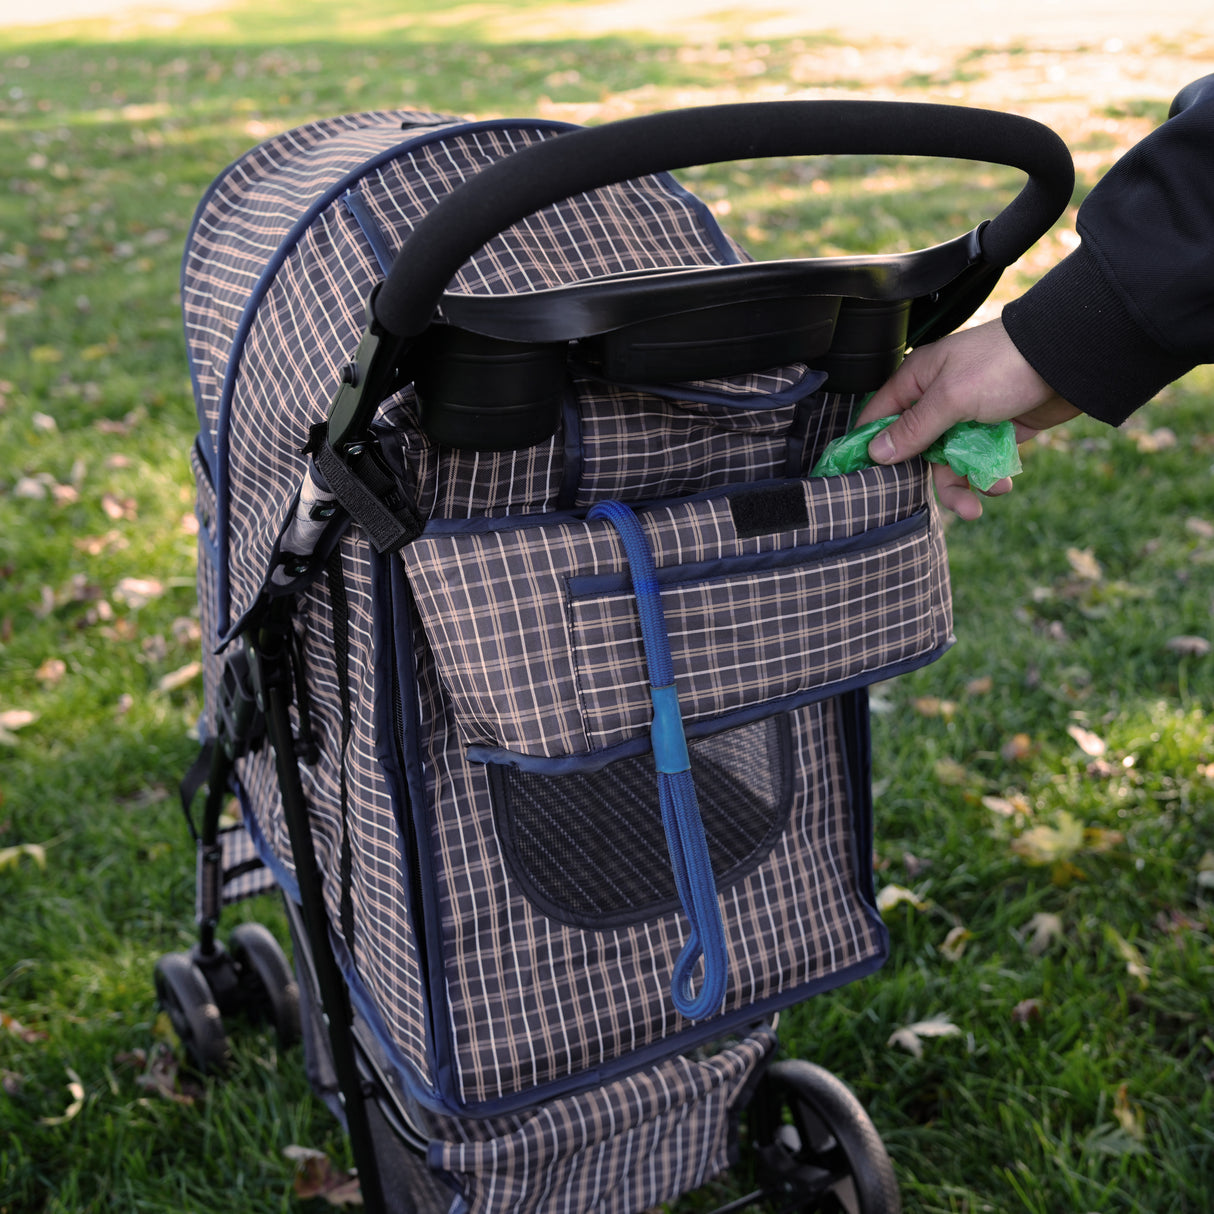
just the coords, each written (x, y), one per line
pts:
(817, 1149)
(267, 980)
(184, 995)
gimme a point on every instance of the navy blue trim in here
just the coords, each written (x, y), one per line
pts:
(427, 930)
(591, 584)
(270, 270)
(721, 243)
(490, 524)
(356, 205)
(757, 402)
(598, 759)
(391, 710)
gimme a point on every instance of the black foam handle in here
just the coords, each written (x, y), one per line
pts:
(510, 189)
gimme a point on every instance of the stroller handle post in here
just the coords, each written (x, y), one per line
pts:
(587, 159)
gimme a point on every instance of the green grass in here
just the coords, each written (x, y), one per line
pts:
(1072, 1084)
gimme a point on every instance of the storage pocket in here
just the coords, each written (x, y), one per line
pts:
(588, 848)
(774, 596)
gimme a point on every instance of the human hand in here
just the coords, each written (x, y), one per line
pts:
(973, 375)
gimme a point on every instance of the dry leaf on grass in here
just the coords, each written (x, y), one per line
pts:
(76, 1091)
(11, 1025)
(315, 1176)
(1130, 1116)
(1091, 744)
(1041, 931)
(179, 678)
(1134, 963)
(1026, 1011)
(13, 719)
(1050, 844)
(955, 943)
(1084, 564)
(894, 895)
(1190, 646)
(911, 1036)
(10, 856)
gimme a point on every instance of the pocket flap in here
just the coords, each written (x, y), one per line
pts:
(774, 595)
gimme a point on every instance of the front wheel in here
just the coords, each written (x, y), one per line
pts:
(816, 1147)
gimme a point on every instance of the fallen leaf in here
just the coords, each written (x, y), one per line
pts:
(894, 895)
(933, 706)
(1205, 871)
(955, 943)
(1015, 806)
(1100, 839)
(1018, 746)
(1200, 527)
(1050, 844)
(118, 508)
(1190, 646)
(1134, 963)
(950, 772)
(137, 592)
(179, 678)
(51, 671)
(14, 1026)
(1041, 931)
(30, 489)
(94, 545)
(9, 856)
(910, 1037)
(1084, 564)
(76, 1090)
(315, 1176)
(1152, 441)
(980, 686)
(161, 1074)
(1026, 1010)
(1130, 1116)
(1091, 744)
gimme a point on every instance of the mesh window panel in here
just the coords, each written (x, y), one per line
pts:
(589, 848)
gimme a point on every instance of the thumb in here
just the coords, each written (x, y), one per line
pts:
(910, 433)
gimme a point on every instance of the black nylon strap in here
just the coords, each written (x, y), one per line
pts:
(198, 774)
(341, 640)
(387, 528)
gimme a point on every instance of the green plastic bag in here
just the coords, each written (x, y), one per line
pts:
(984, 452)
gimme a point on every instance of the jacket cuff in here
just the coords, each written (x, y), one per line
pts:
(1079, 336)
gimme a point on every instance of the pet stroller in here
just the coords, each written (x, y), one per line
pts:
(535, 663)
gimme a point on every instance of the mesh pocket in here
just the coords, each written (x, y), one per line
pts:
(589, 847)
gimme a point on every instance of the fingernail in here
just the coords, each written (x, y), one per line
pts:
(881, 449)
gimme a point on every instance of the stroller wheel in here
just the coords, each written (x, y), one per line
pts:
(814, 1140)
(268, 981)
(183, 993)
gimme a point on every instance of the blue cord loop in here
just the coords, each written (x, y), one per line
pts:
(689, 858)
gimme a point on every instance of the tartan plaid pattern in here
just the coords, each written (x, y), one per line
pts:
(515, 1000)
(627, 1146)
(535, 667)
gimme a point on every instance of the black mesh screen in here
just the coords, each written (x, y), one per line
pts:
(589, 848)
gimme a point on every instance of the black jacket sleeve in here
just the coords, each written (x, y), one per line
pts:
(1132, 308)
